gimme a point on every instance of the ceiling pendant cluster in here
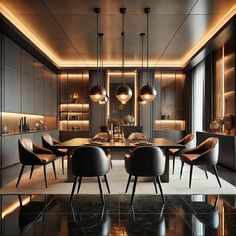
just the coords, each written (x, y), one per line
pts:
(123, 92)
(147, 92)
(97, 92)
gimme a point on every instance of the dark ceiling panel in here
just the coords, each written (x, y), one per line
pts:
(68, 27)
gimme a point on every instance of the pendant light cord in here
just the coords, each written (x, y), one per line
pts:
(147, 11)
(142, 35)
(97, 11)
(122, 10)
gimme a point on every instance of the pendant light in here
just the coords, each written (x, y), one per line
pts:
(106, 98)
(123, 92)
(140, 100)
(147, 92)
(97, 92)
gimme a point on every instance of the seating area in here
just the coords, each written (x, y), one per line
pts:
(117, 117)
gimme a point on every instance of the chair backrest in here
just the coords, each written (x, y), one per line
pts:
(101, 135)
(136, 136)
(146, 161)
(46, 138)
(89, 161)
(26, 149)
(187, 141)
(26, 143)
(211, 146)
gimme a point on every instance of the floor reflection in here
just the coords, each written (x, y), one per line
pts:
(181, 215)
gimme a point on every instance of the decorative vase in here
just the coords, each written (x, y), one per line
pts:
(214, 126)
(228, 120)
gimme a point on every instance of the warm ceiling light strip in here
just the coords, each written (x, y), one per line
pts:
(209, 35)
(169, 63)
(20, 26)
(119, 73)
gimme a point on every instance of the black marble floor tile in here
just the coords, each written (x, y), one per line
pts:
(84, 204)
(181, 215)
(145, 204)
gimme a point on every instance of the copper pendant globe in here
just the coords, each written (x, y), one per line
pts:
(103, 101)
(97, 93)
(123, 93)
(148, 93)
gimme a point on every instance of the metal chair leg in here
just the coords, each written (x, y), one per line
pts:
(100, 188)
(159, 184)
(206, 172)
(31, 172)
(45, 175)
(155, 183)
(134, 187)
(127, 186)
(181, 170)
(108, 189)
(21, 171)
(73, 189)
(173, 171)
(80, 180)
(54, 169)
(216, 174)
(62, 165)
(190, 176)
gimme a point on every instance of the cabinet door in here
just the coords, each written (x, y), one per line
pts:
(55, 134)
(38, 137)
(12, 90)
(38, 88)
(10, 153)
(27, 94)
(54, 95)
(47, 91)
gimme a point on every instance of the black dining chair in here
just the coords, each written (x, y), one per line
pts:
(89, 161)
(145, 161)
(31, 154)
(187, 142)
(48, 142)
(206, 153)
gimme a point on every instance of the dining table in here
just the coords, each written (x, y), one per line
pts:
(122, 145)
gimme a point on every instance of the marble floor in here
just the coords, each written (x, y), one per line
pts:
(181, 215)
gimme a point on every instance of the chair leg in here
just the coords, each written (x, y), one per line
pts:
(155, 183)
(190, 176)
(206, 172)
(54, 169)
(45, 175)
(111, 164)
(108, 189)
(127, 186)
(62, 165)
(73, 189)
(173, 171)
(133, 192)
(181, 170)
(159, 184)
(216, 174)
(80, 180)
(31, 172)
(21, 172)
(100, 188)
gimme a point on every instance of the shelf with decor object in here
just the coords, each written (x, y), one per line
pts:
(74, 103)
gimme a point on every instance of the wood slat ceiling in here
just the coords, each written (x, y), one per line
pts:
(67, 28)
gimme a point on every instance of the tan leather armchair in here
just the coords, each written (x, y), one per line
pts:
(188, 142)
(48, 142)
(32, 154)
(206, 153)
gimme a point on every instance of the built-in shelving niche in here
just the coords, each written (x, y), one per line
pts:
(74, 101)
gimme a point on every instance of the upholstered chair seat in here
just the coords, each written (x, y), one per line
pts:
(145, 161)
(89, 161)
(49, 142)
(187, 142)
(32, 154)
(206, 153)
